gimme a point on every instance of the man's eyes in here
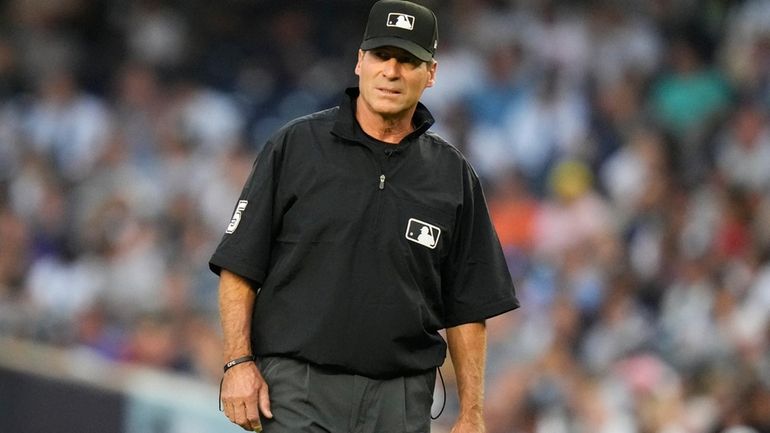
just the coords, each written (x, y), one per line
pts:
(385, 56)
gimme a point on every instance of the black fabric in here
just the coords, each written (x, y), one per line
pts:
(344, 281)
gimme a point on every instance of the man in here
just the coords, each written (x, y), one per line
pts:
(358, 236)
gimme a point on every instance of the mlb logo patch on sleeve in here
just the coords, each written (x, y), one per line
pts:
(422, 233)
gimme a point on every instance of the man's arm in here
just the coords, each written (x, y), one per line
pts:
(244, 391)
(467, 347)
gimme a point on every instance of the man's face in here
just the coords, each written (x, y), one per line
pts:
(392, 81)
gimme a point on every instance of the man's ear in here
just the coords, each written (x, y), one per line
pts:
(432, 67)
(358, 64)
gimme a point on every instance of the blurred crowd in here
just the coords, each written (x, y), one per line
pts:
(624, 146)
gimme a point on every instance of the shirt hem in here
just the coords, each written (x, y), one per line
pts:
(217, 263)
(485, 312)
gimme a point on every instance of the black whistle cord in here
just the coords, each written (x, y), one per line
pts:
(443, 395)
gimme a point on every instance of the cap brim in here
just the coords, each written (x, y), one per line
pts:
(392, 41)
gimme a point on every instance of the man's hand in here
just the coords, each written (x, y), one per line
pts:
(245, 396)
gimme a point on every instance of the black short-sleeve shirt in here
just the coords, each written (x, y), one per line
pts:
(363, 250)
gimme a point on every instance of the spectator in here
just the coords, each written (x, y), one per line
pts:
(743, 151)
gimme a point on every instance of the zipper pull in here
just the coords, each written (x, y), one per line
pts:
(382, 181)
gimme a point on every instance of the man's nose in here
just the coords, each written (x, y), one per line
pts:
(391, 67)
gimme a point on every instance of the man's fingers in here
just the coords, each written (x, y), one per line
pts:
(264, 401)
(239, 413)
(240, 417)
(252, 415)
(227, 407)
(254, 425)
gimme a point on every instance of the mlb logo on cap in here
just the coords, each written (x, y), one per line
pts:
(402, 21)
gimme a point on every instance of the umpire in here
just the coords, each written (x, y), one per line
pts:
(357, 237)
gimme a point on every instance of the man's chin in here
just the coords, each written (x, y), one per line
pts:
(389, 110)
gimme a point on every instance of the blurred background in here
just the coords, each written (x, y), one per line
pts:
(624, 147)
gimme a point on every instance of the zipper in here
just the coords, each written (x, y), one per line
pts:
(388, 154)
(381, 165)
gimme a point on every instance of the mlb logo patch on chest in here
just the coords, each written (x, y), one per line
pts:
(422, 233)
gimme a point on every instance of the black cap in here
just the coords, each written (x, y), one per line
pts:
(402, 24)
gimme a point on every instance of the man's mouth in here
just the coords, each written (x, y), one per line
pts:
(388, 91)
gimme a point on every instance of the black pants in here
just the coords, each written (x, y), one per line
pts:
(306, 398)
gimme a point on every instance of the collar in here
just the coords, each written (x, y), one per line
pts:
(346, 126)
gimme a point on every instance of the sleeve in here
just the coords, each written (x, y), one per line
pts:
(478, 284)
(247, 242)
